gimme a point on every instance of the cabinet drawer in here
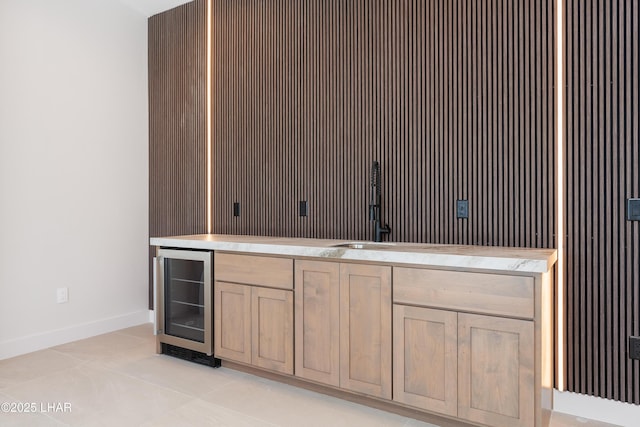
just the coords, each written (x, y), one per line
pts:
(477, 292)
(253, 270)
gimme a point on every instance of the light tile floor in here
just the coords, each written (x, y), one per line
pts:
(117, 379)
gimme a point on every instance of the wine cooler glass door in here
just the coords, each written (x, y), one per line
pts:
(184, 299)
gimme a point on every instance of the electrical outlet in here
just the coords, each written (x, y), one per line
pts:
(462, 209)
(634, 348)
(236, 209)
(633, 209)
(62, 295)
(303, 208)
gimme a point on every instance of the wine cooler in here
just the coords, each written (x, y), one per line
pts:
(183, 303)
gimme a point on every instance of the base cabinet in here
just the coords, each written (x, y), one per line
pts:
(425, 372)
(317, 314)
(459, 344)
(253, 310)
(272, 329)
(365, 329)
(475, 367)
(232, 321)
(343, 325)
(254, 325)
(496, 370)
(465, 345)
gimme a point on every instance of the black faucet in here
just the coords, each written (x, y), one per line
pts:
(375, 205)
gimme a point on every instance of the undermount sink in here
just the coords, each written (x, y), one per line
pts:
(364, 245)
(411, 247)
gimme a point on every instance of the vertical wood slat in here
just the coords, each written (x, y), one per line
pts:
(433, 90)
(602, 168)
(177, 122)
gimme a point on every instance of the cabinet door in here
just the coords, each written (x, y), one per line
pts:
(365, 329)
(232, 326)
(317, 313)
(424, 358)
(272, 329)
(496, 375)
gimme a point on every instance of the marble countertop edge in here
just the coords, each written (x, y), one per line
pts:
(524, 260)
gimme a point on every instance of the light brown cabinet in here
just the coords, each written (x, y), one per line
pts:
(272, 329)
(365, 329)
(470, 361)
(253, 324)
(317, 313)
(232, 321)
(493, 380)
(343, 325)
(496, 370)
(470, 345)
(498, 294)
(425, 346)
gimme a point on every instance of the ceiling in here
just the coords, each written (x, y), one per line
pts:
(152, 7)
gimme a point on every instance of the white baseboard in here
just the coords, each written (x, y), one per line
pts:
(596, 408)
(35, 342)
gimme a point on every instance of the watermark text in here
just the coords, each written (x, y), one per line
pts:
(34, 407)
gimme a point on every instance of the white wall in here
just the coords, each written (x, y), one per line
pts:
(73, 170)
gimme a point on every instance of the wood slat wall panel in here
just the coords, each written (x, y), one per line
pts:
(306, 94)
(602, 249)
(453, 98)
(177, 122)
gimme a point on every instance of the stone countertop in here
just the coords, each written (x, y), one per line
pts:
(495, 258)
